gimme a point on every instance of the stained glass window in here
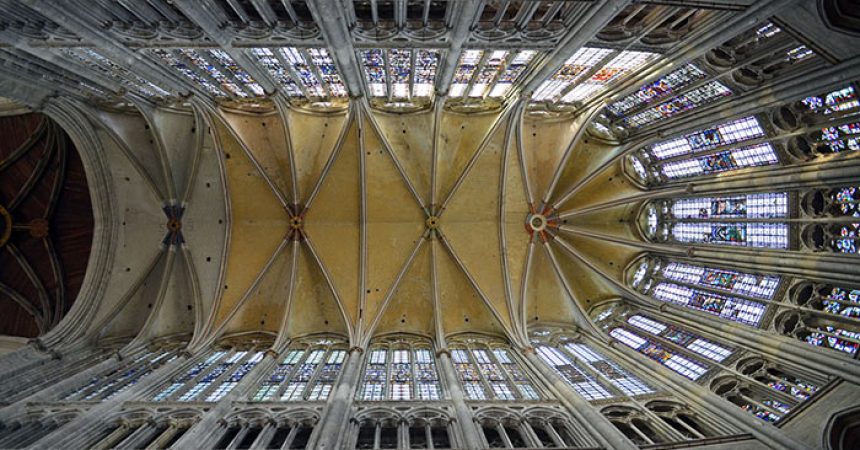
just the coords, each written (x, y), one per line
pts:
(584, 384)
(702, 95)
(750, 206)
(230, 383)
(110, 383)
(179, 383)
(491, 374)
(308, 371)
(735, 309)
(108, 68)
(627, 383)
(569, 73)
(845, 302)
(621, 64)
(835, 338)
(835, 102)
(407, 72)
(182, 64)
(743, 234)
(683, 338)
(678, 363)
(663, 87)
(708, 220)
(730, 281)
(400, 371)
(708, 151)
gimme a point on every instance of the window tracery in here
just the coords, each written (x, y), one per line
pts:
(837, 220)
(766, 390)
(635, 424)
(761, 53)
(537, 427)
(401, 368)
(306, 371)
(112, 382)
(489, 73)
(25, 431)
(828, 317)
(143, 428)
(399, 73)
(736, 220)
(215, 374)
(569, 83)
(422, 428)
(738, 296)
(257, 428)
(490, 370)
(587, 370)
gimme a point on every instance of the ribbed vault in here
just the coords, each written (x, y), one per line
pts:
(364, 223)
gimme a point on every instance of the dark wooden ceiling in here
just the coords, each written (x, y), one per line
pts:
(44, 189)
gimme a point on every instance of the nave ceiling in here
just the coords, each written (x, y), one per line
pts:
(360, 223)
(264, 171)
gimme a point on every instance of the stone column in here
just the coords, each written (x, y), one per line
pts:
(209, 423)
(468, 431)
(329, 432)
(95, 418)
(771, 344)
(598, 426)
(54, 391)
(703, 398)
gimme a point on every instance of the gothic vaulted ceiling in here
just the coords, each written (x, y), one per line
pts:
(359, 223)
(364, 167)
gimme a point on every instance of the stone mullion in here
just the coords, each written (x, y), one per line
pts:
(661, 279)
(54, 390)
(387, 68)
(190, 383)
(601, 379)
(707, 400)
(463, 15)
(82, 71)
(142, 433)
(549, 427)
(316, 71)
(779, 45)
(216, 383)
(289, 376)
(463, 412)
(227, 73)
(192, 66)
(330, 18)
(508, 379)
(826, 267)
(335, 418)
(413, 55)
(208, 423)
(772, 344)
(111, 440)
(644, 372)
(482, 63)
(105, 42)
(598, 427)
(266, 433)
(292, 71)
(97, 415)
(786, 89)
(203, 16)
(705, 334)
(583, 76)
(687, 427)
